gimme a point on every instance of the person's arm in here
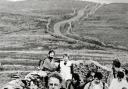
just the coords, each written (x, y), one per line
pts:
(40, 64)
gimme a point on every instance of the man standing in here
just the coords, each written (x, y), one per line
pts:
(66, 68)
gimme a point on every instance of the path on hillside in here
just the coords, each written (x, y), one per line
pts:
(79, 15)
(86, 15)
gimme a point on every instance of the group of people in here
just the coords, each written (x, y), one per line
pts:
(60, 74)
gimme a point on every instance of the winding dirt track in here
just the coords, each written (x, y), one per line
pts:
(80, 14)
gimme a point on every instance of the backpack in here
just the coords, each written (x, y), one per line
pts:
(91, 84)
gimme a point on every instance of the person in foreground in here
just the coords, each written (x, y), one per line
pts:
(75, 82)
(119, 82)
(54, 81)
(96, 83)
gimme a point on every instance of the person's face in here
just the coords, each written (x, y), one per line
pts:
(54, 83)
(91, 76)
(119, 79)
(51, 54)
(65, 58)
(96, 81)
(74, 81)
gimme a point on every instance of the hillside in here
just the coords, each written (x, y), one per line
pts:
(29, 29)
(23, 24)
(109, 24)
(25, 30)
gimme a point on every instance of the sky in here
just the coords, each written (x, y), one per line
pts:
(108, 1)
(101, 1)
(15, 0)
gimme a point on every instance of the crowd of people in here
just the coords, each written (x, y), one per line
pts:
(68, 74)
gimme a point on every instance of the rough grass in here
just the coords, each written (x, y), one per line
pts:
(108, 24)
(31, 22)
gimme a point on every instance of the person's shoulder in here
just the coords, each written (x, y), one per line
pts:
(46, 59)
(87, 85)
(43, 59)
(61, 63)
(69, 62)
(124, 81)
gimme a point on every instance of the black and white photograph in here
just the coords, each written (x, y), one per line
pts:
(63, 44)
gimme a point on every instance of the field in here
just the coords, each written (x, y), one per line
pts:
(108, 24)
(25, 39)
(24, 28)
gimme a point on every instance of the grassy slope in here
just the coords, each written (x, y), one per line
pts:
(109, 24)
(11, 38)
(20, 31)
(26, 18)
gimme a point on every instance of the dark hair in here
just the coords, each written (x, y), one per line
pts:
(120, 74)
(51, 51)
(65, 54)
(116, 63)
(98, 75)
(126, 71)
(89, 74)
(76, 76)
(55, 75)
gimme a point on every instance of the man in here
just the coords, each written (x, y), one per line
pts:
(66, 68)
(48, 64)
(75, 83)
(119, 82)
(126, 74)
(116, 66)
(89, 76)
(54, 81)
(96, 83)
